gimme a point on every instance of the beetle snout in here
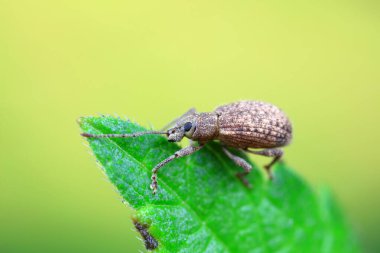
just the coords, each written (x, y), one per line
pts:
(174, 135)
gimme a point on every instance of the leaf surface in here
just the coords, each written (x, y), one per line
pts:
(201, 206)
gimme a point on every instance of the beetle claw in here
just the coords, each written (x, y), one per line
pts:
(241, 177)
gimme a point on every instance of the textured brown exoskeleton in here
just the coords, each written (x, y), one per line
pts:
(243, 125)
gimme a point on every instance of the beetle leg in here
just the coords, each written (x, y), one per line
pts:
(242, 163)
(180, 153)
(276, 153)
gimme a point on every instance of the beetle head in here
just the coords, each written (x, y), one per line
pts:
(184, 127)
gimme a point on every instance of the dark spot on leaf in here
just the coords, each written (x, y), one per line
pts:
(150, 242)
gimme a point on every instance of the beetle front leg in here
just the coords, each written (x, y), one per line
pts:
(180, 153)
(242, 163)
(270, 152)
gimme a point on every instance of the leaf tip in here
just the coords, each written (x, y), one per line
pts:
(82, 120)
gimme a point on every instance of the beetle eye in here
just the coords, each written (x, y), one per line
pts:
(187, 126)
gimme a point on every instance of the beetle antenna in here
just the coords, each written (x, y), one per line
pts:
(121, 135)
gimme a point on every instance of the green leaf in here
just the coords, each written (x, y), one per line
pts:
(201, 206)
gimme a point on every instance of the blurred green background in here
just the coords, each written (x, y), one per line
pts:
(151, 61)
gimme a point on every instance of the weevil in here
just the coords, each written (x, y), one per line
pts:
(243, 125)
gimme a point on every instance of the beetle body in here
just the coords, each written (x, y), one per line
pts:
(252, 124)
(244, 124)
